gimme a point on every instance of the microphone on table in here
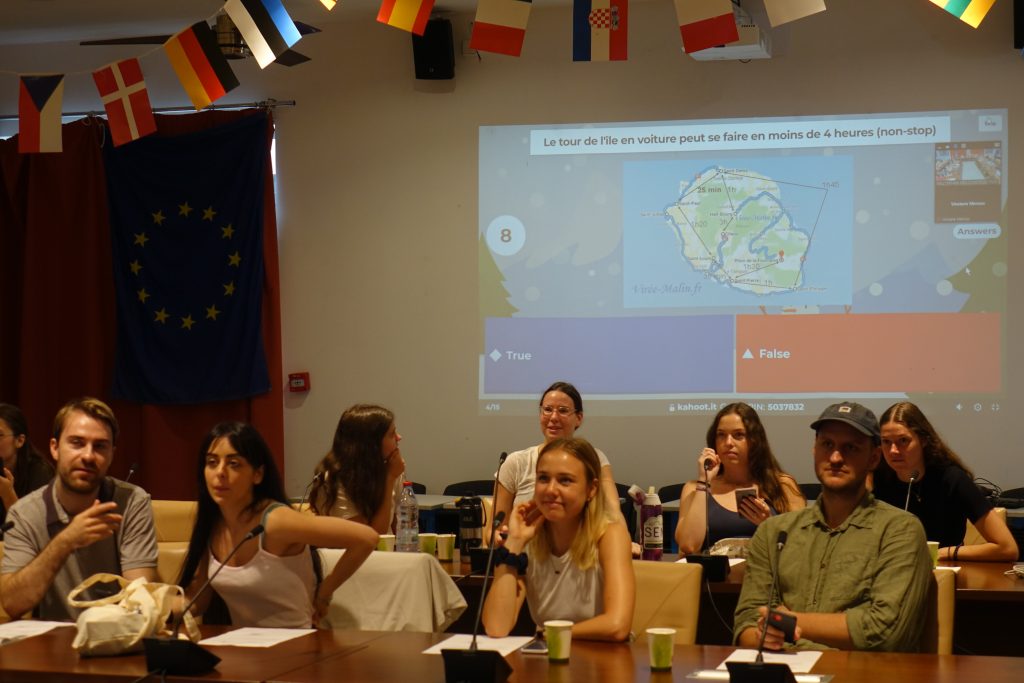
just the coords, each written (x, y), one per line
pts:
(760, 671)
(473, 665)
(716, 567)
(913, 477)
(183, 657)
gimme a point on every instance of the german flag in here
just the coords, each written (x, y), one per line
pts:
(199, 64)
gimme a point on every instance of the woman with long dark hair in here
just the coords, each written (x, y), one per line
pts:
(24, 468)
(361, 477)
(272, 580)
(566, 555)
(943, 494)
(736, 456)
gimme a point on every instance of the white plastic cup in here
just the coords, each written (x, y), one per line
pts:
(558, 633)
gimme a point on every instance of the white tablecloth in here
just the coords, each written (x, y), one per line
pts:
(394, 592)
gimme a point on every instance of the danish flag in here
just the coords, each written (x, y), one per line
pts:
(126, 101)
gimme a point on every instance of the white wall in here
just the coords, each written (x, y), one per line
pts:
(377, 180)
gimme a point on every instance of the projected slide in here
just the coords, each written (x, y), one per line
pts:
(673, 266)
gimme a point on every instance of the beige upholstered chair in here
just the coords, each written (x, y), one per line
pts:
(174, 519)
(973, 537)
(169, 560)
(4, 617)
(667, 595)
(938, 626)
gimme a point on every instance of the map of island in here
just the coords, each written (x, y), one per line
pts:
(733, 227)
(742, 233)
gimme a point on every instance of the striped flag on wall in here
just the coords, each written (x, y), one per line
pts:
(123, 91)
(265, 26)
(408, 15)
(970, 12)
(199, 64)
(706, 23)
(784, 11)
(599, 30)
(500, 26)
(40, 99)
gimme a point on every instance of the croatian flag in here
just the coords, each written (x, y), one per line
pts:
(126, 101)
(599, 30)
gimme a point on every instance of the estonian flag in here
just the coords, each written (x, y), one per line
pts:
(500, 26)
(124, 96)
(408, 15)
(599, 30)
(265, 26)
(199, 64)
(968, 11)
(706, 23)
(40, 99)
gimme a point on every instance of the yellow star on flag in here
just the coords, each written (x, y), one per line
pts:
(187, 322)
(235, 259)
(143, 295)
(227, 231)
(161, 316)
(135, 266)
(141, 239)
(184, 209)
(229, 288)
(208, 214)
(159, 218)
(212, 312)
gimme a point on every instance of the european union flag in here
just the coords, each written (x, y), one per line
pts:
(186, 216)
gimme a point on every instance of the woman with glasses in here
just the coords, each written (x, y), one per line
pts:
(24, 468)
(561, 414)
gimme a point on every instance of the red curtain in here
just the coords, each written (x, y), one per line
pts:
(57, 312)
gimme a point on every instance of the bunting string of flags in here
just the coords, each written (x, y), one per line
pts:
(600, 32)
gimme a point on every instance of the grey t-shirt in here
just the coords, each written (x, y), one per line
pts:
(38, 517)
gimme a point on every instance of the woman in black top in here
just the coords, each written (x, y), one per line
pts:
(943, 494)
(24, 469)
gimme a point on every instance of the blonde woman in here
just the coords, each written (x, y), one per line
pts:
(564, 556)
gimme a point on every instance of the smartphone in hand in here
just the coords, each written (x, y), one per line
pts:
(742, 494)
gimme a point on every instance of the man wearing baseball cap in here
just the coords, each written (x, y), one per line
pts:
(853, 570)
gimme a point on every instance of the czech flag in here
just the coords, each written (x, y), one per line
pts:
(599, 30)
(968, 11)
(40, 99)
(265, 26)
(500, 26)
(126, 101)
(706, 23)
(199, 64)
(408, 15)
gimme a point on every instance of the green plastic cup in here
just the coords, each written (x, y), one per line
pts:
(428, 543)
(661, 643)
(558, 633)
(386, 542)
(933, 552)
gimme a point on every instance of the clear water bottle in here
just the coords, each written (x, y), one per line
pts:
(650, 519)
(407, 538)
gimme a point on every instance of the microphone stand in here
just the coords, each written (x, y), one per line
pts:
(473, 665)
(716, 567)
(760, 671)
(910, 485)
(183, 657)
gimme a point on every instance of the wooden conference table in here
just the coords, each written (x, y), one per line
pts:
(378, 657)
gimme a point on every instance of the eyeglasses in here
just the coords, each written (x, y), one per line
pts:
(548, 411)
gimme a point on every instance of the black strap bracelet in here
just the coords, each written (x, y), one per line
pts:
(517, 561)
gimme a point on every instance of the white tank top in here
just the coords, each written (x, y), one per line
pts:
(558, 589)
(269, 590)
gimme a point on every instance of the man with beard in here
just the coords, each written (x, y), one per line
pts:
(854, 571)
(82, 523)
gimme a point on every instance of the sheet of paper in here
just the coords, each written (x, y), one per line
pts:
(949, 569)
(800, 662)
(716, 675)
(733, 561)
(461, 641)
(26, 628)
(257, 637)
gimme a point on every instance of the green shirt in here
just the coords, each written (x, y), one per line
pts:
(874, 568)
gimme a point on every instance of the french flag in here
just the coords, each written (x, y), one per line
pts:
(706, 23)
